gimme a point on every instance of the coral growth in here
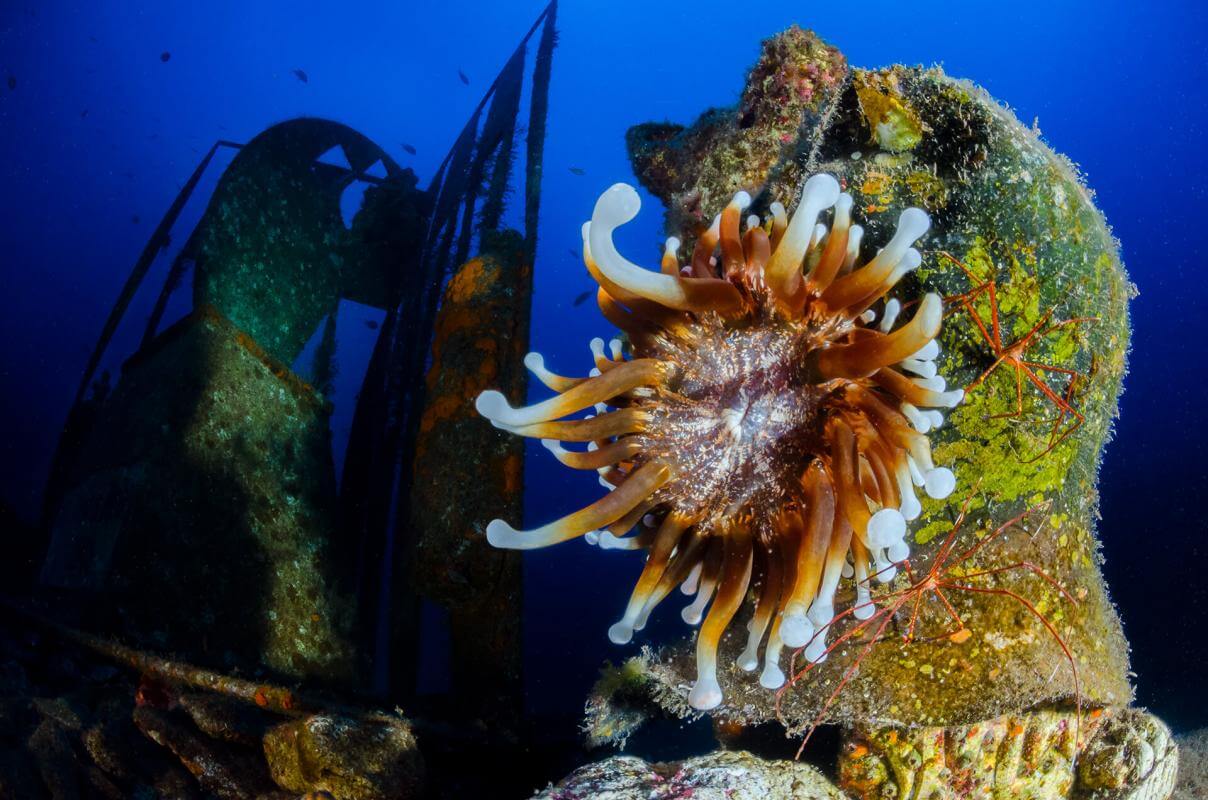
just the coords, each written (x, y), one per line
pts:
(768, 425)
(1015, 214)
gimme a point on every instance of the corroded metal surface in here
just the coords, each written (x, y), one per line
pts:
(201, 511)
(467, 472)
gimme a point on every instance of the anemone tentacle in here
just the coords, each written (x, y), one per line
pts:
(766, 431)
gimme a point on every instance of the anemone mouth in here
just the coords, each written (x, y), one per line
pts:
(767, 428)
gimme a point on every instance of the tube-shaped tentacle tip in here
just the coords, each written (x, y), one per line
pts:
(672, 246)
(931, 314)
(705, 695)
(939, 483)
(492, 404)
(953, 398)
(898, 552)
(928, 352)
(592, 538)
(821, 191)
(886, 527)
(843, 208)
(795, 627)
(864, 606)
(815, 651)
(817, 236)
(912, 224)
(911, 507)
(748, 659)
(772, 676)
(893, 307)
(620, 633)
(504, 536)
(742, 200)
(534, 361)
(610, 541)
(619, 204)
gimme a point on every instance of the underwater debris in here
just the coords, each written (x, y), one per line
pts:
(1028, 755)
(462, 76)
(577, 170)
(165, 56)
(300, 75)
(408, 148)
(465, 474)
(769, 422)
(581, 298)
(12, 83)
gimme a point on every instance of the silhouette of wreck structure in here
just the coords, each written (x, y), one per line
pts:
(196, 503)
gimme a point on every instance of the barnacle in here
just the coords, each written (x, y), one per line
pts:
(767, 425)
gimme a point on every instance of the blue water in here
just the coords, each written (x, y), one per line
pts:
(1118, 88)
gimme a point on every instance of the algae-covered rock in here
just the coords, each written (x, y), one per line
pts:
(1010, 210)
(352, 759)
(717, 776)
(1132, 757)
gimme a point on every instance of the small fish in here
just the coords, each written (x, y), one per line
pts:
(463, 77)
(409, 148)
(164, 56)
(83, 113)
(371, 324)
(577, 170)
(134, 218)
(12, 82)
(574, 253)
(582, 298)
(301, 75)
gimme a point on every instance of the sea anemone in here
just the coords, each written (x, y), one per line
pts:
(766, 430)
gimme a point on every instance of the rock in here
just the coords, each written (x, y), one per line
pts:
(63, 710)
(226, 719)
(723, 775)
(18, 775)
(219, 770)
(352, 759)
(1193, 766)
(696, 170)
(51, 748)
(1006, 206)
(1133, 757)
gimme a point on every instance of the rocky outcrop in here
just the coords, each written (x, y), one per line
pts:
(722, 775)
